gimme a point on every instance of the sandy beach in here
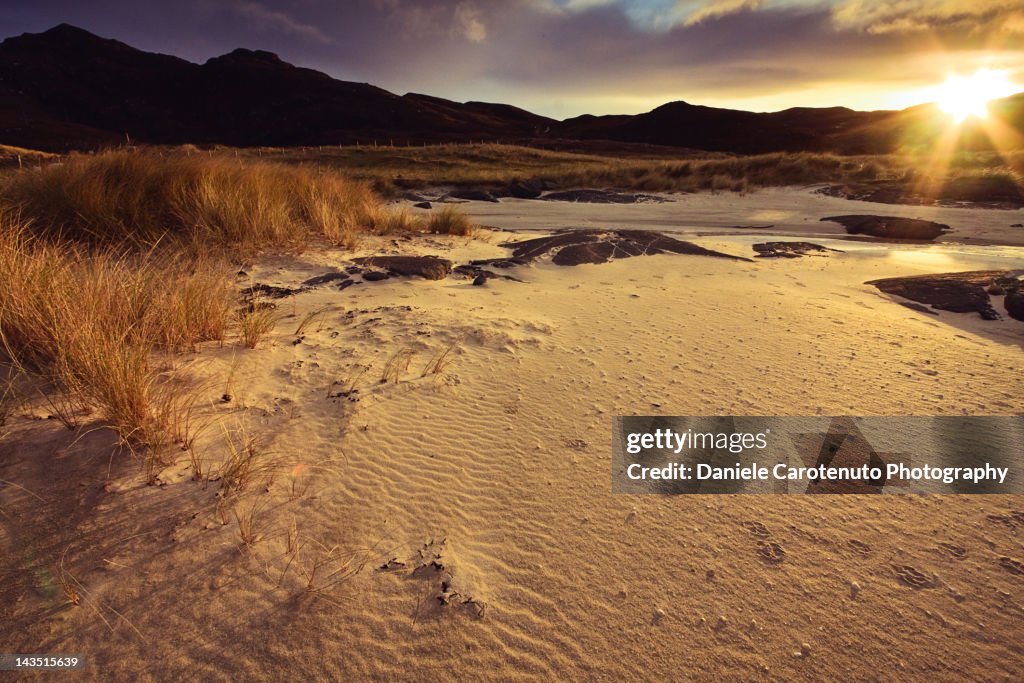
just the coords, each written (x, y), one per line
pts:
(458, 523)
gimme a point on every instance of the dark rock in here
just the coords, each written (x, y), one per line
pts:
(1017, 225)
(600, 197)
(890, 227)
(474, 272)
(995, 290)
(525, 189)
(429, 267)
(957, 292)
(573, 247)
(345, 284)
(480, 280)
(918, 307)
(789, 249)
(992, 192)
(753, 227)
(262, 291)
(353, 270)
(499, 262)
(472, 195)
(587, 252)
(422, 205)
(375, 276)
(242, 273)
(324, 279)
(1014, 304)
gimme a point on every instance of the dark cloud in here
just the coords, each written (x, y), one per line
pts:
(569, 56)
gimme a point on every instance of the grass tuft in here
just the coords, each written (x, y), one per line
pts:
(450, 221)
(397, 365)
(256, 321)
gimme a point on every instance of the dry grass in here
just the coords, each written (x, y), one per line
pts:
(310, 318)
(10, 398)
(245, 464)
(255, 322)
(450, 221)
(397, 365)
(193, 202)
(493, 166)
(439, 362)
(249, 530)
(395, 220)
(89, 322)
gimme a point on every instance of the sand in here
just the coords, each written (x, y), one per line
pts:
(488, 484)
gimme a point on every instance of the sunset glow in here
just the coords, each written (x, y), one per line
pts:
(965, 96)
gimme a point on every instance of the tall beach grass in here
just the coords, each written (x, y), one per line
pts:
(91, 321)
(192, 202)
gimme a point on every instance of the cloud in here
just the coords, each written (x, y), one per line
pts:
(903, 16)
(716, 9)
(279, 20)
(576, 56)
(469, 23)
(1014, 23)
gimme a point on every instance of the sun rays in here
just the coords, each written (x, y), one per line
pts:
(963, 97)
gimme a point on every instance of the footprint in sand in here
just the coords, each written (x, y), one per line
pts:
(771, 552)
(758, 529)
(913, 577)
(1012, 521)
(859, 547)
(956, 551)
(1011, 565)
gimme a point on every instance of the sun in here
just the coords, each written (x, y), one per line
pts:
(965, 96)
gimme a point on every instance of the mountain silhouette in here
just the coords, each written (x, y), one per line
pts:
(67, 88)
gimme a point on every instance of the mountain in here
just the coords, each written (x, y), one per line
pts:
(66, 88)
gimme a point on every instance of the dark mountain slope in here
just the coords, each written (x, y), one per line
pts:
(67, 88)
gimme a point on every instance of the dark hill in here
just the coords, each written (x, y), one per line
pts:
(67, 88)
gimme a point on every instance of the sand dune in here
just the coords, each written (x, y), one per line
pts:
(461, 524)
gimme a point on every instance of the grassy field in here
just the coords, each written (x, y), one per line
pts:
(391, 170)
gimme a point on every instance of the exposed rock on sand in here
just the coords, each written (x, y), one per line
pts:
(325, 279)
(1014, 303)
(789, 249)
(526, 189)
(499, 262)
(262, 291)
(890, 227)
(957, 292)
(429, 267)
(993, 192)
(475, 273)
(573, 247)
(600, 197)
(471, 195)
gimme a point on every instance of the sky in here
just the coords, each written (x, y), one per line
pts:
(563, 58)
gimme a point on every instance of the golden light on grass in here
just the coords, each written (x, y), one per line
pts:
(965, 96)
